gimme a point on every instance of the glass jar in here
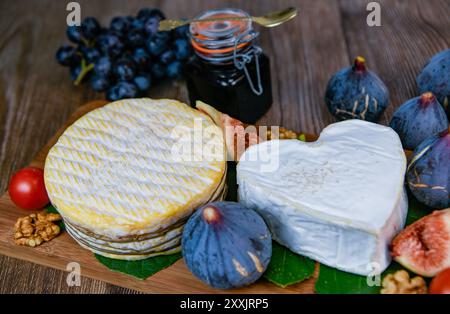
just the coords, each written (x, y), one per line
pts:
(228, 70)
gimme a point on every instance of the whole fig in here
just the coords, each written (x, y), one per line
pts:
(423, 247)
(435, 77)
(428, 173)
(356, 93)
(226, 245)
(418, 119)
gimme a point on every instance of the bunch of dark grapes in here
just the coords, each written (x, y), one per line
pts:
(127, 58)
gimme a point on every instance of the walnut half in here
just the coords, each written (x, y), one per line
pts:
(284, 134)
(35, 229)
(400, 283)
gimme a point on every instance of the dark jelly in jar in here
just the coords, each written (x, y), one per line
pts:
(228, 71)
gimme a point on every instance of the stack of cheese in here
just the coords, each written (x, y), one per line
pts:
(125, 177)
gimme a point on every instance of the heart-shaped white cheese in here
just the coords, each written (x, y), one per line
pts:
(339, 200)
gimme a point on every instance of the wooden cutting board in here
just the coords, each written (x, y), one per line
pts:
(63, 250)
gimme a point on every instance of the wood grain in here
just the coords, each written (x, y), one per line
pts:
(36, 95)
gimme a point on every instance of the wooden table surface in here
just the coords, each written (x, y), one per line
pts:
(36, 95)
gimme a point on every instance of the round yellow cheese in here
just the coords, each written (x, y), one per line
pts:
(135, 167)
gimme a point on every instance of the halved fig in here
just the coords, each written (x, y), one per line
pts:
(424, 246)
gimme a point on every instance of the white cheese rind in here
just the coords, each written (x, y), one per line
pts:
(115, 171)
(339, 200)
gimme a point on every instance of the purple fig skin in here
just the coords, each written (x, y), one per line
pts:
(356, 93)
(418, 119)
(226, 245)
(435, 77)
(428, 173)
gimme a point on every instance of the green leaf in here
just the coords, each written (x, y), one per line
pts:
(52, 210)
(140, 269)
(416, 210)
(333, 281)
(302, 137)
(286, 268)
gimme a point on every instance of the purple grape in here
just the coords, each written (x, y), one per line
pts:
(90, 28)
(137, 24)
(167, 56)
(128, 57)
(151, 26)
(143, 82)
(74, 34)
(122, 90)
(147, 13)
(119, 25)
(158, 43)
(67, 56)
(110, 44)
(141, 57)
(99, 83)
(135, 38)
(103, 66)
(124, 69)
(174, 70)
(182, 31)
(182, 49)
(75, 71)
(90, 54)
(158, 71)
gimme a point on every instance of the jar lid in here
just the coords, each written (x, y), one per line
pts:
(219, 37)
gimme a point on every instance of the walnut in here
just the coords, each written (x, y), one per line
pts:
(35, 229)
(283, 134)
(400, 283)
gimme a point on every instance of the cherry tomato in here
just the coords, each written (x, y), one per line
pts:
(441, 283)
(27, 189)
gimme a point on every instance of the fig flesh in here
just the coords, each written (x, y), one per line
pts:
(428, 174)
(238, 136)
(418, 119)
(356, 93)
(435, 77)
(424, 246)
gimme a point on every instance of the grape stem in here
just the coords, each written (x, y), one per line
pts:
(85, 69)
(86, 42)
